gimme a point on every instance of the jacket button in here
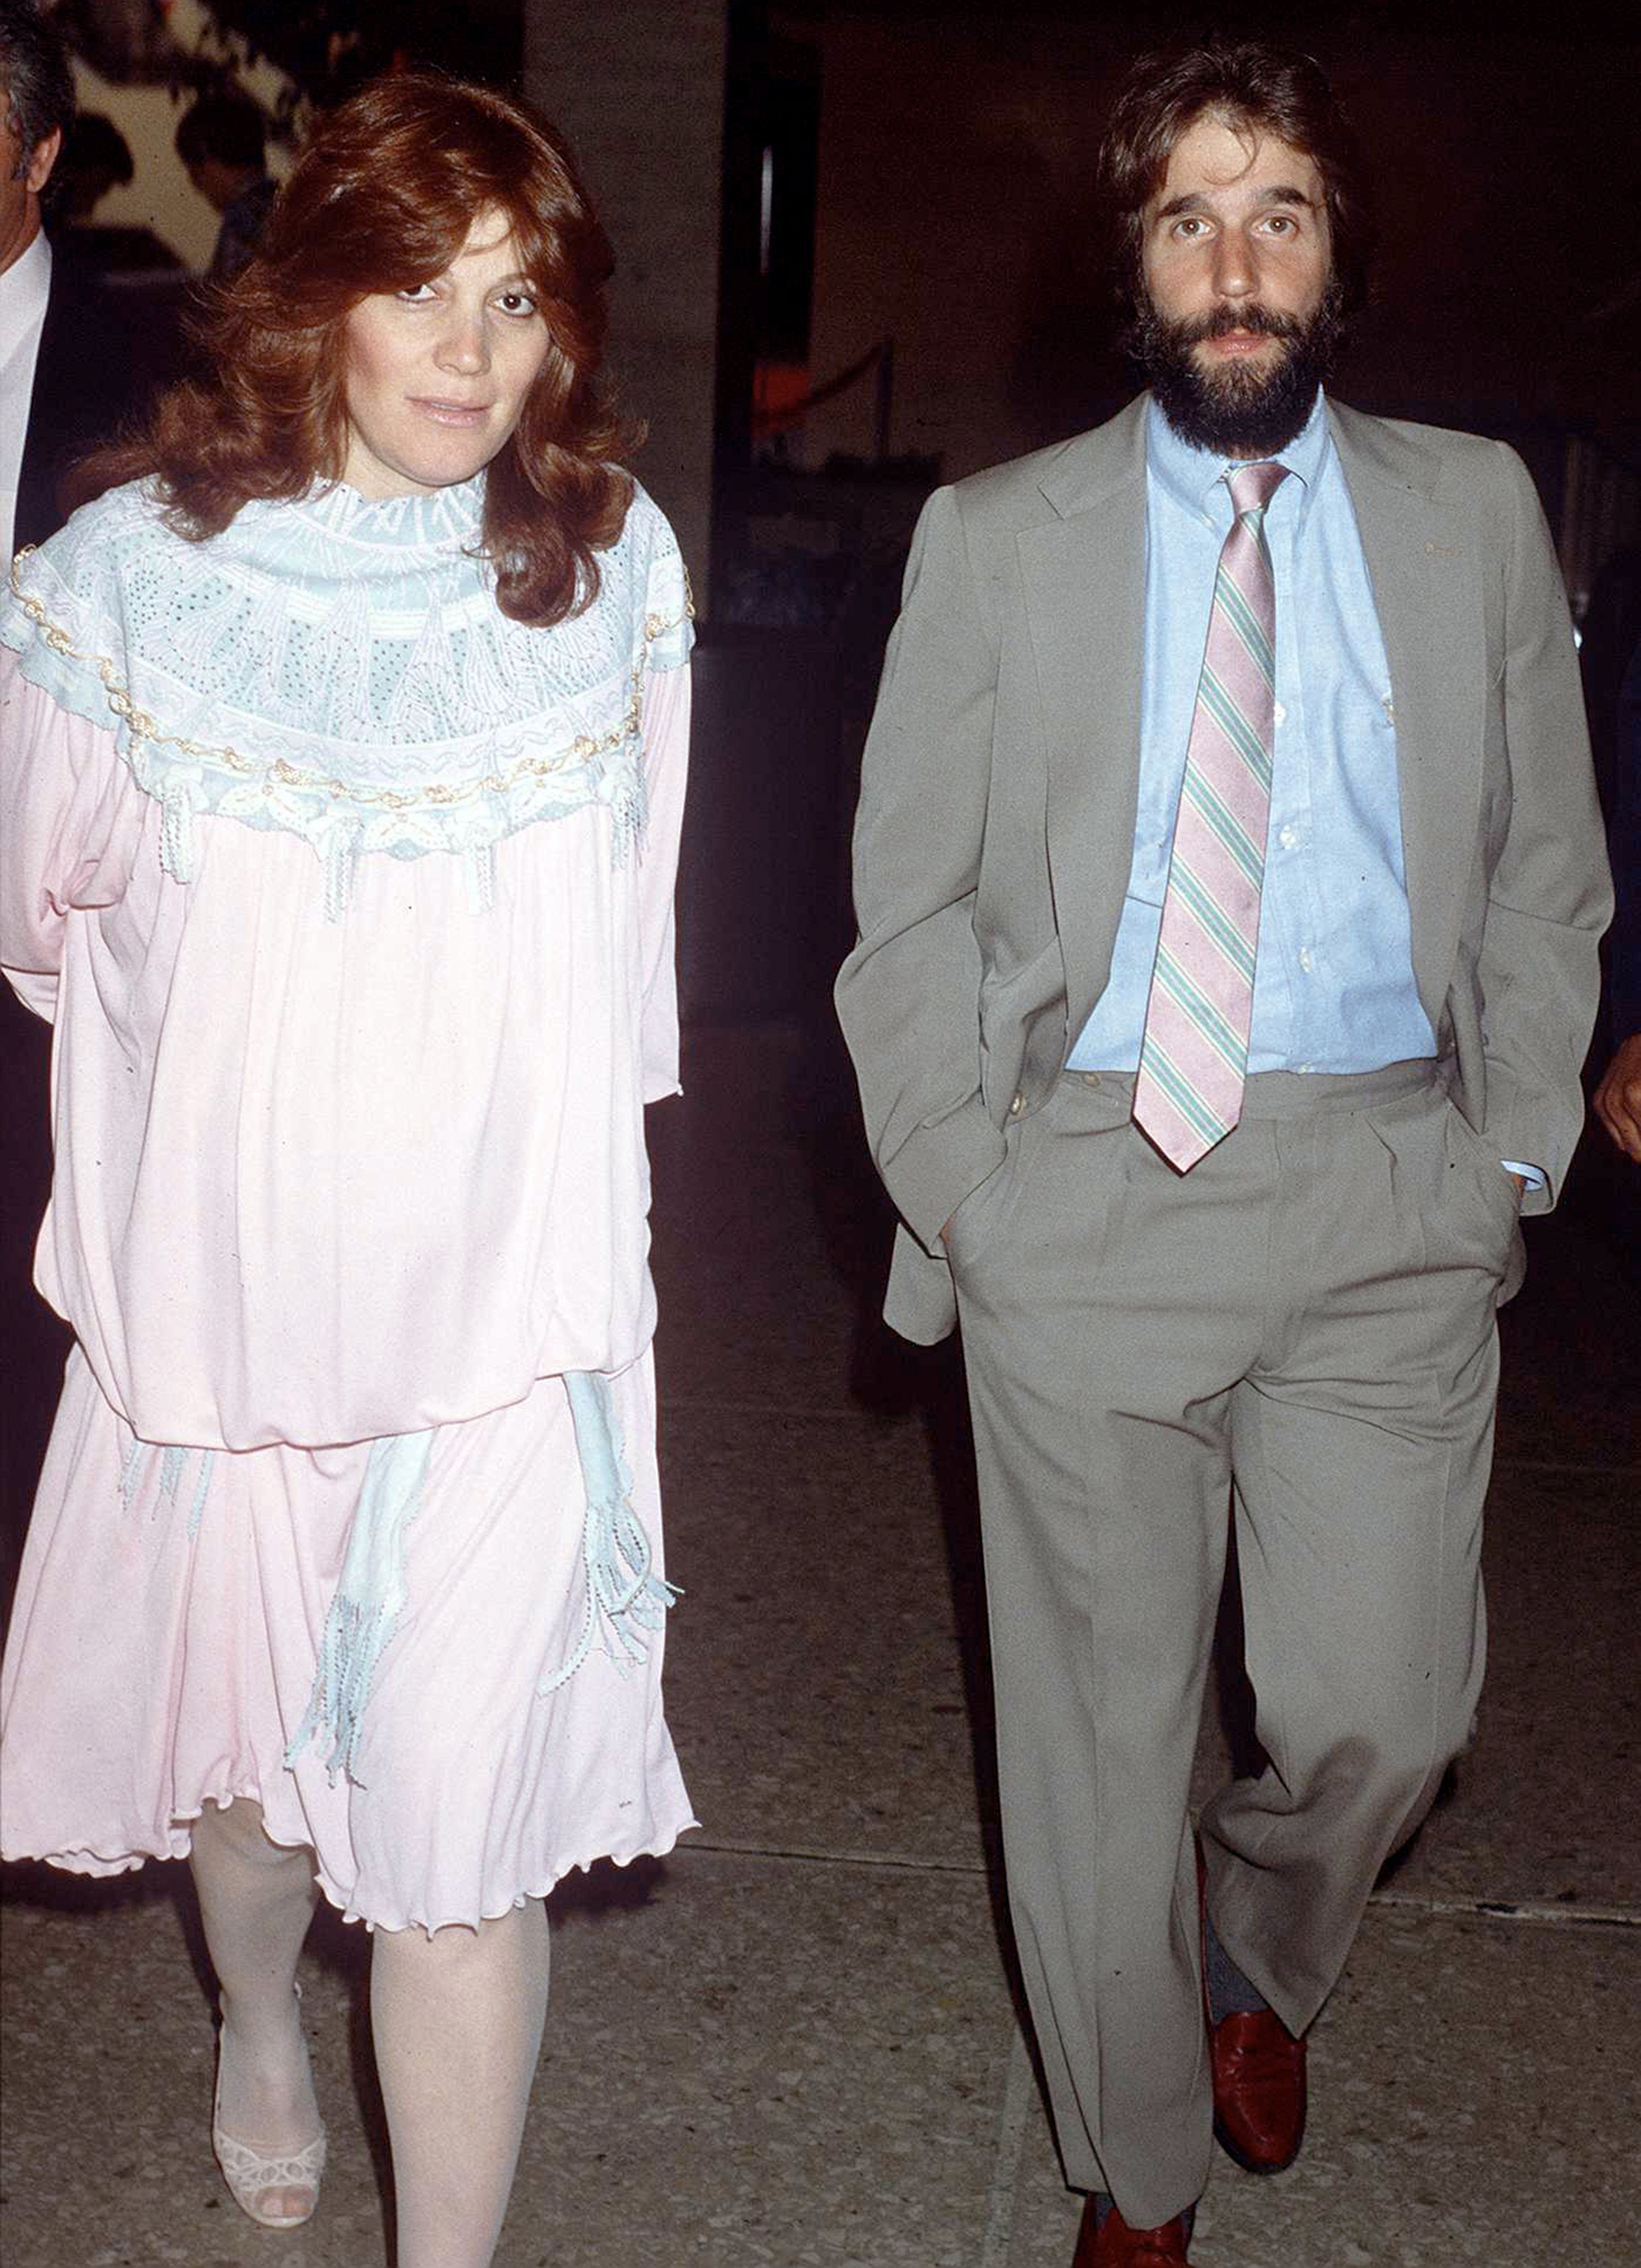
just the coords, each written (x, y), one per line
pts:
(1090, 1077)
(1017, 1106)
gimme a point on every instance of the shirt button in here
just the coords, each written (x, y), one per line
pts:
(1017, 1106)
(1280, 712)
(1308, 960)
(1288, 838)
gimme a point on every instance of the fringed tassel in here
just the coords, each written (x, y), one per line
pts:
(481, 878)
(131, 1470)
(629, 812)
(626, 1601)
(176, 830)
(202, 1490)
(370, 1599)
(342, 858)
(174, 1459)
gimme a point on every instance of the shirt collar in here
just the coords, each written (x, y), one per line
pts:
(1189, 475)
(23, 290)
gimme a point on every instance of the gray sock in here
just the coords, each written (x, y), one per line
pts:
(1102, 2207)
(1229, 1992)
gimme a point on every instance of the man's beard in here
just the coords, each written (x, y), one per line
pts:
(1237, 409)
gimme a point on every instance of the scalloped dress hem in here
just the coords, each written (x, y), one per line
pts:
(97, 1866)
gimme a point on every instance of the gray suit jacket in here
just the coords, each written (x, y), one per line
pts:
(997, 816)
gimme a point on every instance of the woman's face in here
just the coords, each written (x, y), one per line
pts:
(437, 375)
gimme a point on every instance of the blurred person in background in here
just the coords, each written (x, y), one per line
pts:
(343, 740)
(96, 158)
(222, 142)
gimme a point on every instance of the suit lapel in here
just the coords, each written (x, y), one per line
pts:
(37, 513)
(1084, 577)
(1427, 592)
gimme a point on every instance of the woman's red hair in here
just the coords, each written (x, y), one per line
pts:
(383, 197)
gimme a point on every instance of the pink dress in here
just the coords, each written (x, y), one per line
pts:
(322, 1179)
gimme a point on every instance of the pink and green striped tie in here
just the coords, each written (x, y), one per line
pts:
(1193, 1057)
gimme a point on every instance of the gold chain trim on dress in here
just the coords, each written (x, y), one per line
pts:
(143, 727)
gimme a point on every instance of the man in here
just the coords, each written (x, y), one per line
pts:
(1229, 879)
(36, 108)
(77, 359)
(221, 143)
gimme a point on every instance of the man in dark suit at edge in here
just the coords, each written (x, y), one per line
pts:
(36, 110)
(79, 356)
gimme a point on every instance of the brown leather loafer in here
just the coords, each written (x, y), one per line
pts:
(1258, 2070)
(1115, 2245)
(1259, 2090)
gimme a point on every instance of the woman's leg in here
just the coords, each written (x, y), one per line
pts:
(256, 1899)
(458, 2020)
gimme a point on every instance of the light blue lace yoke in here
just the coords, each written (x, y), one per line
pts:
(339, 669)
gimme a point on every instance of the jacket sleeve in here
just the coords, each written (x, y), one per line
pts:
(908, 995)
(1549, 898)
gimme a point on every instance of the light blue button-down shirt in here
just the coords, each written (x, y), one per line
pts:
(1332, 985)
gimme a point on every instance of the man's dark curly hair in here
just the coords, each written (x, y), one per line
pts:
(1252, 88)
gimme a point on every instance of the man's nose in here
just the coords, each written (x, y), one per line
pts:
(1235, 269)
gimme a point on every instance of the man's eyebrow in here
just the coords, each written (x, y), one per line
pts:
(1193, 201)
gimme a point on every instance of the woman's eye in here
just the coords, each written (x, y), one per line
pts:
(417, 295)
(516, 303)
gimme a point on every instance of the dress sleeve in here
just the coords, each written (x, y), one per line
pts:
(665, 761)
(69, 820)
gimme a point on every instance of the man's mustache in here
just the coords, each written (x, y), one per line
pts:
(1253, 317)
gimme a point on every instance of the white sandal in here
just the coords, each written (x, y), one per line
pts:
(250, 2176)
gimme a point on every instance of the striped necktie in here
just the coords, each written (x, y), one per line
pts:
(1193, 1057)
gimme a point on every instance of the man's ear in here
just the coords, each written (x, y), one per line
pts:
(42, 159)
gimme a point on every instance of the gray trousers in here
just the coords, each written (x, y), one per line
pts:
(1303, 1325)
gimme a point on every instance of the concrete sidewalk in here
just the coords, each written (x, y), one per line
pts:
(795, 2041)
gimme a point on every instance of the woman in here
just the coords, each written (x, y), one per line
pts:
(343, 756)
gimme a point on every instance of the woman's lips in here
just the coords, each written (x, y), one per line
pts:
(450, 413)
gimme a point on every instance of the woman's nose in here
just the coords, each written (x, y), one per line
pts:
(463, 345)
